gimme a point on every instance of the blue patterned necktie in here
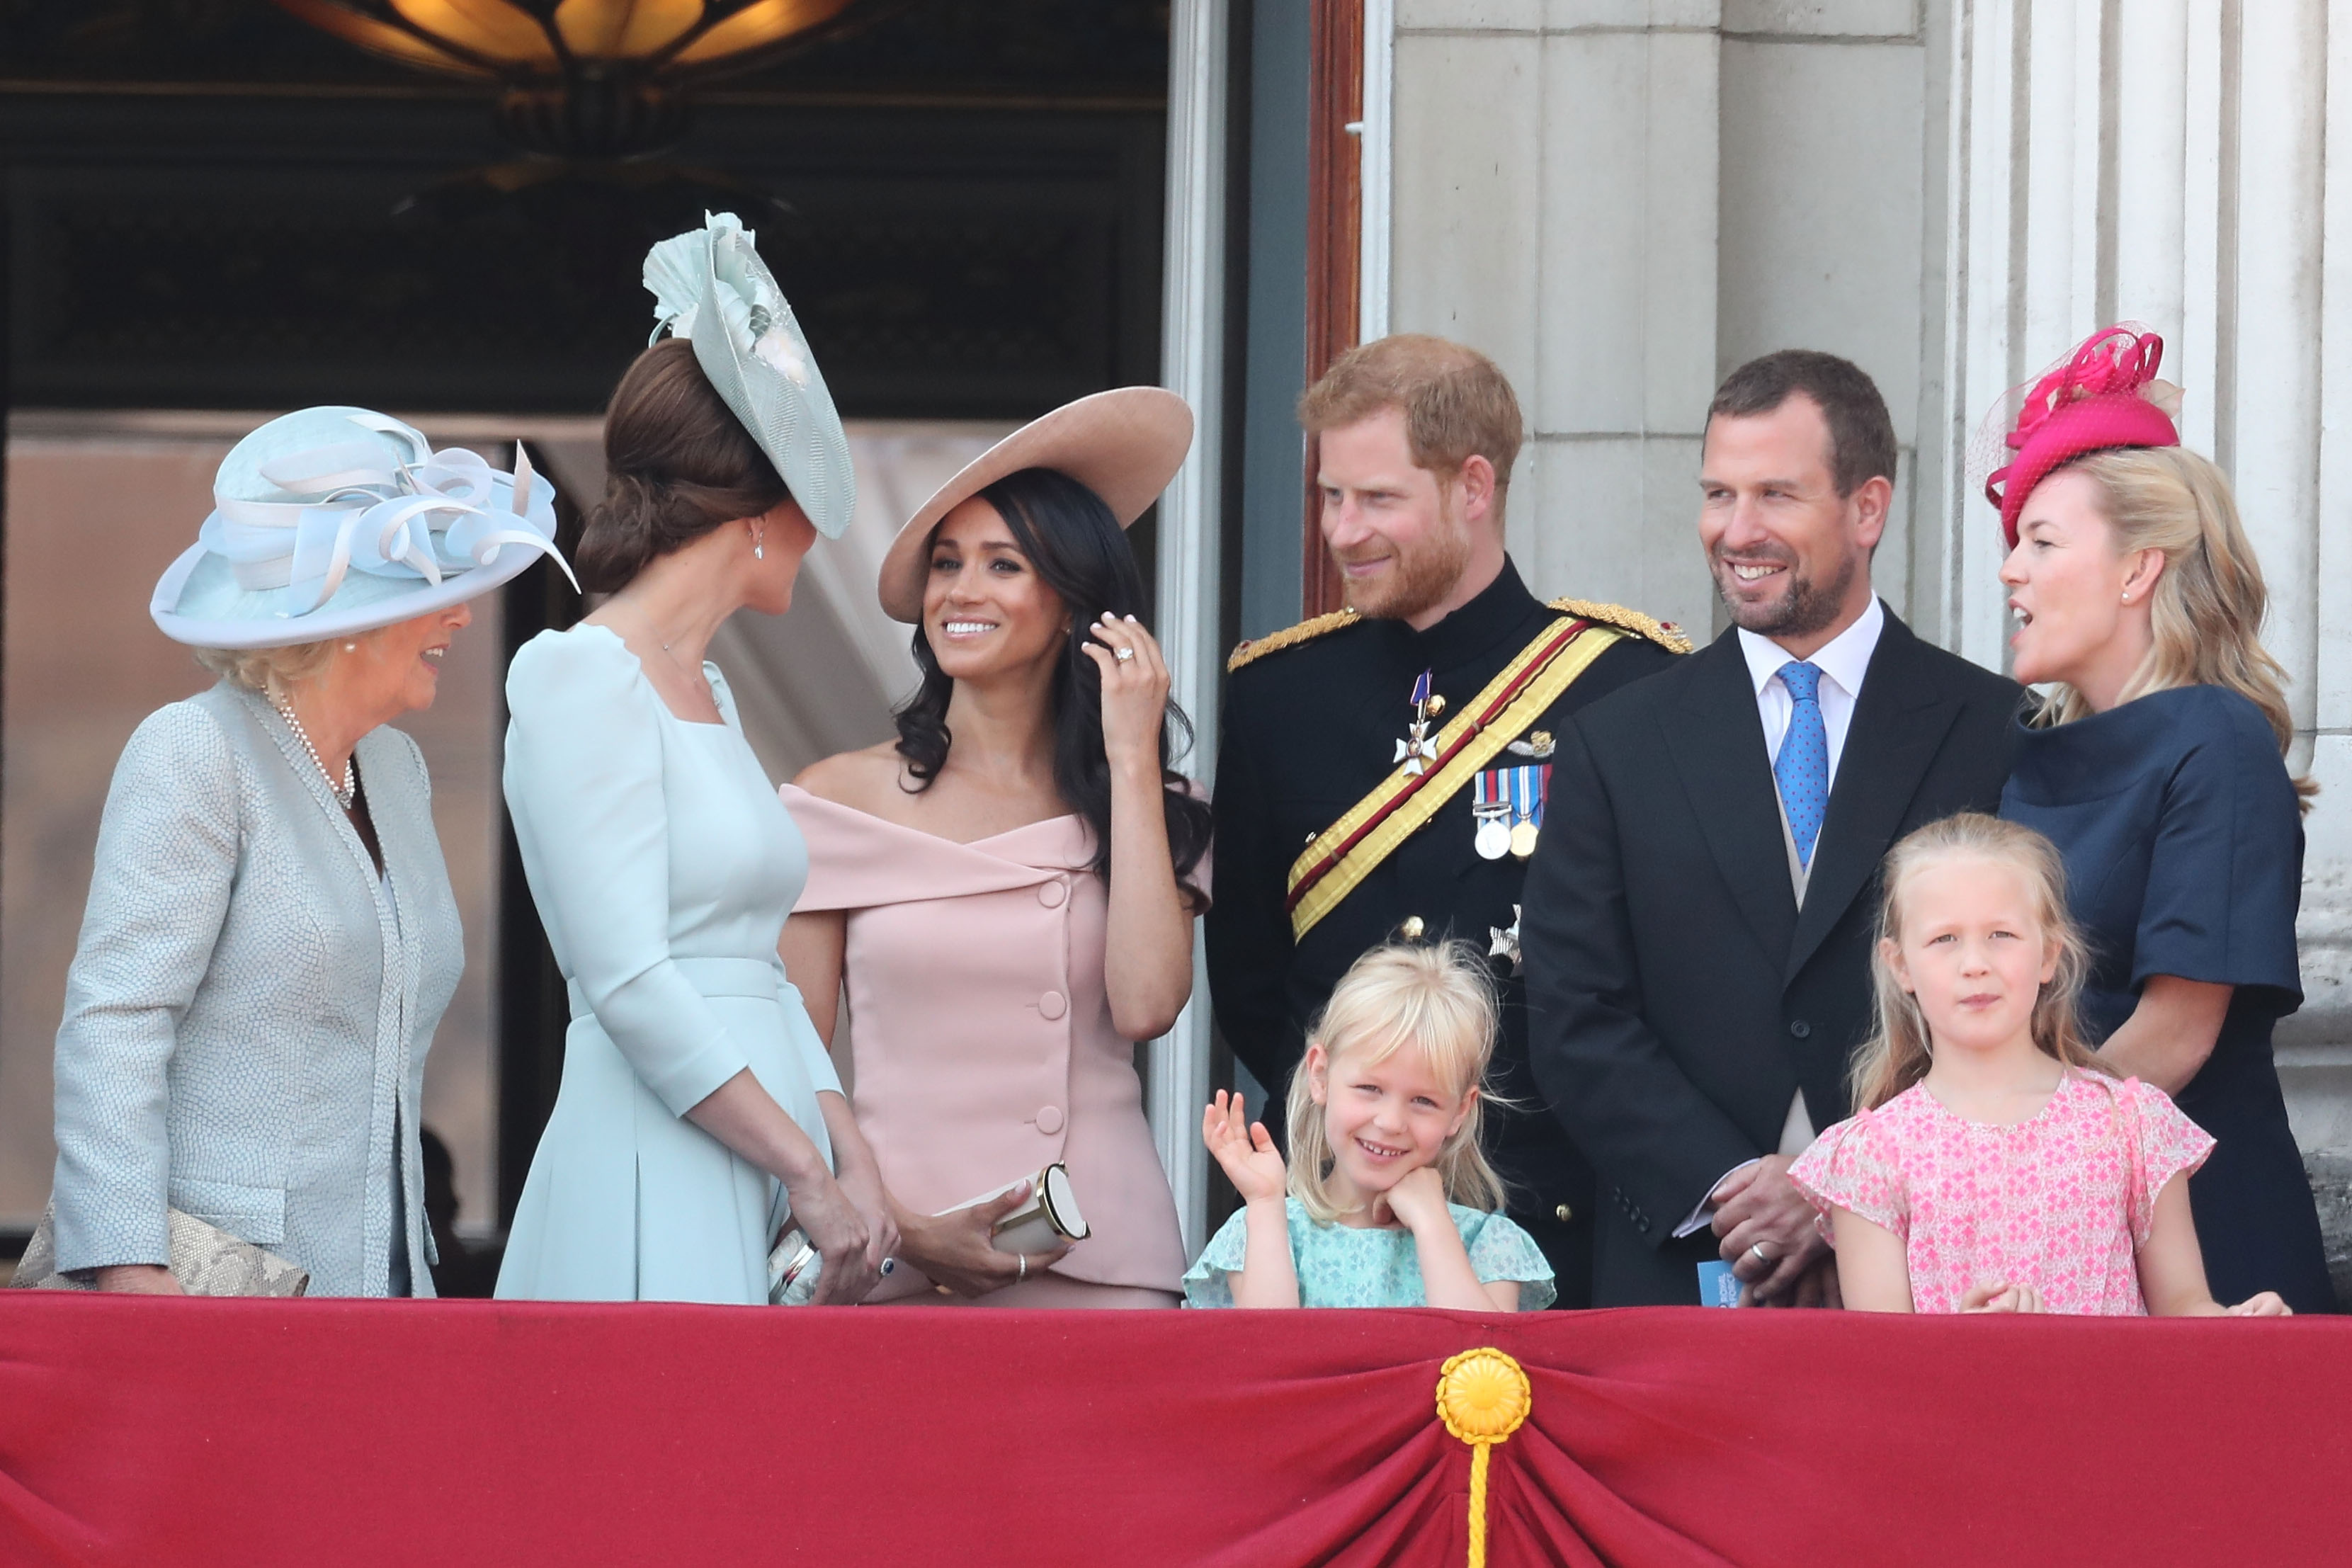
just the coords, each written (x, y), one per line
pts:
(1803, 768)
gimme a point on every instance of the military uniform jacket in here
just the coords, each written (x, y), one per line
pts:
(1309, 730)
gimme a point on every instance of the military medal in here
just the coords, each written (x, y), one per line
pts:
(1507, 941)
(1491, 811)
(1417, 751)
(1527, 797)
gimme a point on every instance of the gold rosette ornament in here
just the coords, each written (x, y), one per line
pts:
(1483, 1397)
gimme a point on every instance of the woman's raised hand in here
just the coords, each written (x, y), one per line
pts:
(2268, 1304)
(1134, 689)
(1245, 1149)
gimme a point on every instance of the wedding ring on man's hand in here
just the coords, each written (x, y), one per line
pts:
(1124, 655)
(1759, 1250)
(1024, 1267)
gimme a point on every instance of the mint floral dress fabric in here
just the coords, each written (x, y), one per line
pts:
(1343, 1266)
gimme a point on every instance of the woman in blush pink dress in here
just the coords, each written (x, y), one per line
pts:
(1004, 897)
(1999, 1166)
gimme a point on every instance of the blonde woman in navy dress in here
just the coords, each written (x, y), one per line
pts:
(698, 1109)
(2159, 769)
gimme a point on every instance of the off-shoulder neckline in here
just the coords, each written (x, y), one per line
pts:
(710, 672)
(939, 838)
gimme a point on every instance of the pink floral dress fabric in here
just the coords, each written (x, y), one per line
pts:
(2062, 1201)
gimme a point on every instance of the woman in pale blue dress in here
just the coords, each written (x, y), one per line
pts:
(697, 1108)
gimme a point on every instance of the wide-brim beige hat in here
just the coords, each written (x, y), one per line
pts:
(1124, 445)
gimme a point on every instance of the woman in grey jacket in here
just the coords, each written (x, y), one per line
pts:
(271, 937)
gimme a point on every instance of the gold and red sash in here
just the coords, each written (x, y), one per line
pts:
(1345, 853)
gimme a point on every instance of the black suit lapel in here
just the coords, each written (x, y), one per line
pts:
(1898, 724)
(1717, 744)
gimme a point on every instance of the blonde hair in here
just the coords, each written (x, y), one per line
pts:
(1898, 1056)
(1435, 998)
(269, 670)
(2208, 610)
(1457, 402)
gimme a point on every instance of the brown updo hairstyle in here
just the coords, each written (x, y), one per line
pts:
(678, 464)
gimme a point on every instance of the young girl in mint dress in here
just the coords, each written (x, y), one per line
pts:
(1997, 1164)
(1387, 1201)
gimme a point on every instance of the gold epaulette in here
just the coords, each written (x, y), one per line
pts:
(1666, 634)
(1289, 636)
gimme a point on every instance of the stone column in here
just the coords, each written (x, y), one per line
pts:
(1555, 203)
(2167, 162)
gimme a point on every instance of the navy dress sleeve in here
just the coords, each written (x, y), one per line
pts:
(2225, 879)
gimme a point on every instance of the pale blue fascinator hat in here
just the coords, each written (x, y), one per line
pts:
(329, 522)
(711, 288)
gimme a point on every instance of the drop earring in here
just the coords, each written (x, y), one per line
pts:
(759, 543)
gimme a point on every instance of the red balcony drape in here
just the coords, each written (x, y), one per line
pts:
(200, 1432)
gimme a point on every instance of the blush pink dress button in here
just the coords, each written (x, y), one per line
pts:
(1051, 894)
(1049, 1119)
(1053, 1004)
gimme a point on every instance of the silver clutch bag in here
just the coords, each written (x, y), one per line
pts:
(206, 1259)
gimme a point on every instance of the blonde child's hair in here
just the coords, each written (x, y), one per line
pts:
(2207, 615)
(1436, 999)
(1898, 1055)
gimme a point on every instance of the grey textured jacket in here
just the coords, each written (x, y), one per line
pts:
(247, 1013)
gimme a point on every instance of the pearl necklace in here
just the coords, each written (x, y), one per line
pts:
(344, 793)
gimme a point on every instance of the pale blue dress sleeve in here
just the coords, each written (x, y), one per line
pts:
(1500, 1250)
(584, 755)
(1209, 1282)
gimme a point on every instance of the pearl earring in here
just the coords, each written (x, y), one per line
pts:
(350, 647)
(2126, 598)
(759, 545)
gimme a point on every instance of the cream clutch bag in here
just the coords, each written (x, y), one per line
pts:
(206, 1259)
(1045, 1221)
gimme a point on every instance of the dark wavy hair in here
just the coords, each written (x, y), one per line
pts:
(1077, 546)
(678, 464)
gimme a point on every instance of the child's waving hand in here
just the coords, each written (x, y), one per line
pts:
(1245, 1149)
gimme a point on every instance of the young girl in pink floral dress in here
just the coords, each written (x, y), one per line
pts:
(1997, 1164)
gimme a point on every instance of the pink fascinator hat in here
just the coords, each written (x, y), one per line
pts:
(2104, 394)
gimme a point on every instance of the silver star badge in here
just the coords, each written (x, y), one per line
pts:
(1506, 942)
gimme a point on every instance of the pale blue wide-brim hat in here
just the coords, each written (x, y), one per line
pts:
(330, 521)
(711, 288)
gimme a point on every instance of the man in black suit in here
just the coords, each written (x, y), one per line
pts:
(1700, 911)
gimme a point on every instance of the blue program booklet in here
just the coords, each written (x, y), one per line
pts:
(1718, 1285)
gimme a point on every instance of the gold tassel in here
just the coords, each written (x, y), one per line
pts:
(1483, 1397)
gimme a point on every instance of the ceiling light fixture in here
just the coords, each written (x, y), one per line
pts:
(581, 79)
